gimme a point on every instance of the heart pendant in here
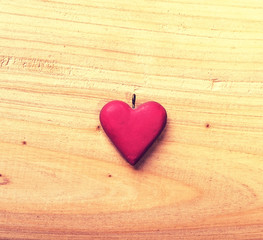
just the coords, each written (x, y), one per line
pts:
(133, 131)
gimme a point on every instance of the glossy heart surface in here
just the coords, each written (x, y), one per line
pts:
(133, 131)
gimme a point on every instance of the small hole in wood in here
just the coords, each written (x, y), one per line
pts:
(24, 142)
(207, 125)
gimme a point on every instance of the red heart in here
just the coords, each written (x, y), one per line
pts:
(133, 131)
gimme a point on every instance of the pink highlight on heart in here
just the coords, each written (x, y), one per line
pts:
(133, 131)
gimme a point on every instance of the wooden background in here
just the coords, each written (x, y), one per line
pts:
(62, 60)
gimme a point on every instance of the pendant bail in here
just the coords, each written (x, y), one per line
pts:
(133, 100)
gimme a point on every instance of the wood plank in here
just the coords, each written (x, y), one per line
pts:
(62, 60)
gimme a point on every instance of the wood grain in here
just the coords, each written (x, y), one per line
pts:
(62, 60)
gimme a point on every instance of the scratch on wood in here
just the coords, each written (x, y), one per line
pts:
(4, 180)
(4, 61)
(213, 81)
(35, 65)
